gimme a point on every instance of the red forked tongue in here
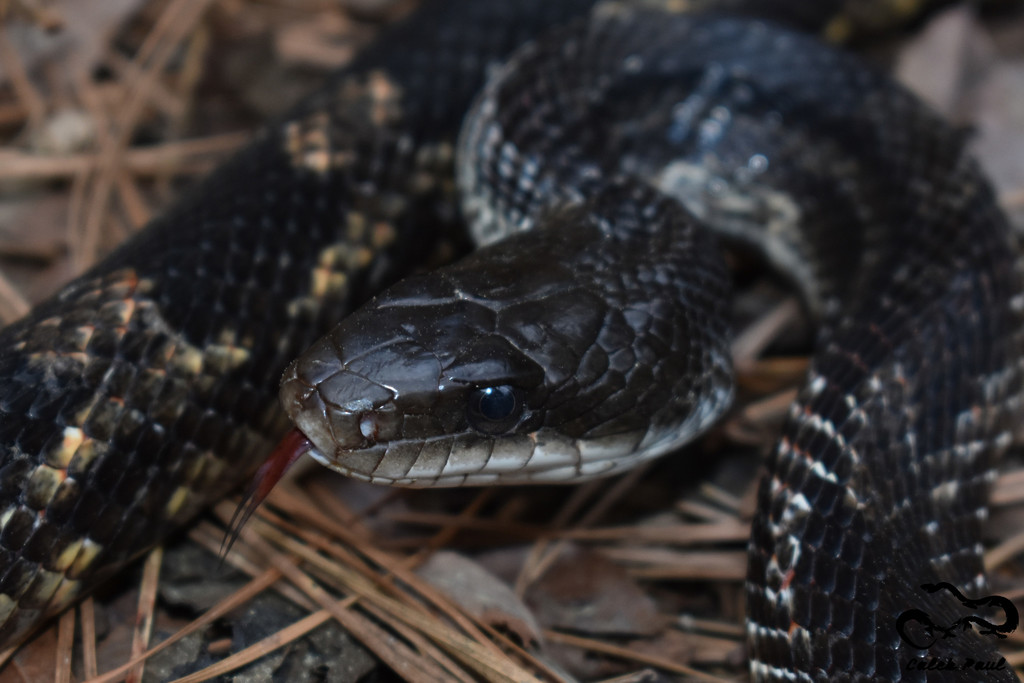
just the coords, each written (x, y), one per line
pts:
(292, 447)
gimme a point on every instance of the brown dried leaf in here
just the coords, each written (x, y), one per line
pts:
(941, 62)
(954, 64)
(480, 593)
(585, 591)
(999, 126)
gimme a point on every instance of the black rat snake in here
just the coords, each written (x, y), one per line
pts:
(144, 388)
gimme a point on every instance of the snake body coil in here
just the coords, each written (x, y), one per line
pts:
(144, 389)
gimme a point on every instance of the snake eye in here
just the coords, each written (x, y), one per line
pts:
(493, 410)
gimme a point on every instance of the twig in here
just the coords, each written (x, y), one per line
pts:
(407, 663)
(749, 344)
(259, 649)
(184, 156)
(233, 601)
(631, 655)
(12, 304)
(28, 96)
(87, 617)
(65, 641)
(147, 602)
(178, 19)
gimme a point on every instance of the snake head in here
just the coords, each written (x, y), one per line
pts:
(538, 359)
(409, 382)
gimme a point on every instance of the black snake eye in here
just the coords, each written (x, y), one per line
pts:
(493, 410)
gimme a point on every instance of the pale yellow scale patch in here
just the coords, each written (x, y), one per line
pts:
(87, 452)
(308, 144)
(45, 584)
(61, 455)
(385, 98)
(108, 297)
(297, 307)
(180, 356)
(119, 309)
(199, 465)
(329, 277)
(44, 358)
(42, 484)
(83, 414)
(226, 354)
(86, 556)
(67, 556)
(185, 358)
(363, 256)
(7, 607)
(355, 222)
(176, 501)
(82, 335)
(207, 468)
(201, 472)
(384, 235)
(324, 281)
(308, 141)
(212, 469)
(220, 359)
(431, 167)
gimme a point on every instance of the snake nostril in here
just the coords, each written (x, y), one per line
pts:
(369, 426)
